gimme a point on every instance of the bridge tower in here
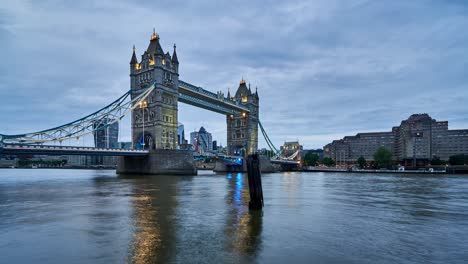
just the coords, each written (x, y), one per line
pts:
(242, 128)
(154, 122)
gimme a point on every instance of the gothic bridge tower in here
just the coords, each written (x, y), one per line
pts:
(242, 128)
(154, 122)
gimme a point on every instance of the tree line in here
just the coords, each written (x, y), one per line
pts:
(383, 158)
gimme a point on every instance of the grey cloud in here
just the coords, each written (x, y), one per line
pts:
(324, 69)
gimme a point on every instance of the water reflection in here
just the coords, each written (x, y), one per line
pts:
(291, 187)
(154, 202)
(67, 216)
(243, 227)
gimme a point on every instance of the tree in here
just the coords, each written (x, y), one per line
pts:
(383, 158)
(311, 159)
(437, 161)
(328, 161)
(362, 162)
(460, 159)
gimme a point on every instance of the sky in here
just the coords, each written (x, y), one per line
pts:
(324, 69)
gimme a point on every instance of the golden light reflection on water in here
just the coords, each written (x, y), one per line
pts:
(291, 186)
(147, 237)
(153, 204)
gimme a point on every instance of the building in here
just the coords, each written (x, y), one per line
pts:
(215, 145)
(181, 134)
(414, 142)
(201, 141)
(350, 148)
(105, 135)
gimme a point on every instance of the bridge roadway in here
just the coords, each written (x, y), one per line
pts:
(21, 149)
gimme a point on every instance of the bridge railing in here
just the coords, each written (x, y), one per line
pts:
(22, 146)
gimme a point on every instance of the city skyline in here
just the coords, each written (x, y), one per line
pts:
(353, 67)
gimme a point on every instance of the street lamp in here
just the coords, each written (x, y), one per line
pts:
(143, 105)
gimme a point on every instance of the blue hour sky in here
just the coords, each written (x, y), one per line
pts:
(324, 69)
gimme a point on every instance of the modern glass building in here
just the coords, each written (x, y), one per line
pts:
(201, 141)
(106, 136)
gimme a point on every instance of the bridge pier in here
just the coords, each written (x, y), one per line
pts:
(157, 162)
(265, 166)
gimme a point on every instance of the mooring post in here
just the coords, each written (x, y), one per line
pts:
(255, 182)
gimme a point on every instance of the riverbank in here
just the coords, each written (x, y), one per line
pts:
(446, 170)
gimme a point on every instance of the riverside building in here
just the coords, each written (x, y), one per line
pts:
(414, 142)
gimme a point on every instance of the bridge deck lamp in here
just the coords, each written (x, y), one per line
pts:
(143, 105)
(244, 114)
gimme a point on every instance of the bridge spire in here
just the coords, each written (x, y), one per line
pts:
(174, 56)
(154, 47)
(134, 59)
(242, 80)
(154, 35)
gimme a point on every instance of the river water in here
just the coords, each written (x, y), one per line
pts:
(86, 216)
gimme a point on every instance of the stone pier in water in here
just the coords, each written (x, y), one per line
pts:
(162, 162)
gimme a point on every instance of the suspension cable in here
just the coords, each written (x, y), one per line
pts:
(96, 121)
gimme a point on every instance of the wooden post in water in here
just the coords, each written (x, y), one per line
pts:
(255, 182)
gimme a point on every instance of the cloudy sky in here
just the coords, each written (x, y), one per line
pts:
(324, 69)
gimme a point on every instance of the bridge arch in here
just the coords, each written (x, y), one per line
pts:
(145, 141)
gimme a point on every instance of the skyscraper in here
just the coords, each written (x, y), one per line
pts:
(180, 134)
(105, 136)
(201, 140)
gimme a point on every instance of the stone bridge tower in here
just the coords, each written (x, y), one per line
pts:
(154, 123)
(242, 128)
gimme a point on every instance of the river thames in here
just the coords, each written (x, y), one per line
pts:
(86, 216)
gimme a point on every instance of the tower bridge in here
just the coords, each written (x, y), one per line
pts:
(155, 91)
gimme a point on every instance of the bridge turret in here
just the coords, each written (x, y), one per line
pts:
(242, 132)
(134, 60)
(175, 60)
(158, 120)
(134, 67)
